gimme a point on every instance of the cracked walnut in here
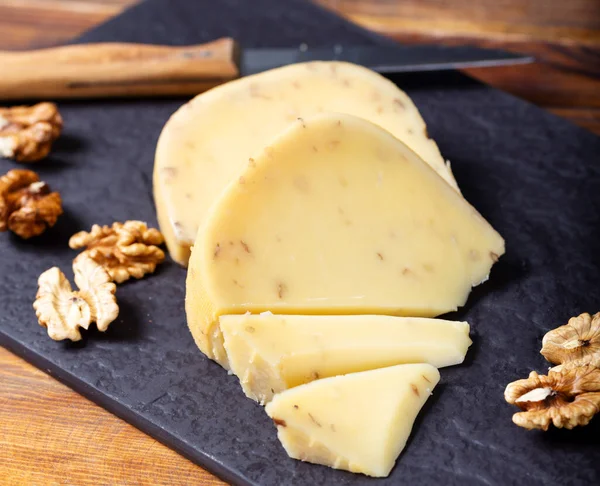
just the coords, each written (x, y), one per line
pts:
(577, 343)
(565, 398)
(27, 205)
(63, 311)
(28, 132)
(124, 249)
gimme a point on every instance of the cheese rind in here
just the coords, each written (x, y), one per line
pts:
(208, 141)
(336, 216)
(271, 353)
(359, 422)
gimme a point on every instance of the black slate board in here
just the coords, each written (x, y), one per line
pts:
(534, 176)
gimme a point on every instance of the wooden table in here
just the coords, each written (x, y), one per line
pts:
(50, 434)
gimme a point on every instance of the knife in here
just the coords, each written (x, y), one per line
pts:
(120, 69)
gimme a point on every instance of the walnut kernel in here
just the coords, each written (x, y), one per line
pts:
(566, 398)
(27, 205)
(27, 132)
(124, 249)
(591, 361)
(577, 343)
(63, 311)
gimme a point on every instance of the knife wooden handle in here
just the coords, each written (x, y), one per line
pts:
(117, 69)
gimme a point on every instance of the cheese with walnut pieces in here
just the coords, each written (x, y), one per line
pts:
(358, 422)
(271, 353)
(336, 217)
(208, 141)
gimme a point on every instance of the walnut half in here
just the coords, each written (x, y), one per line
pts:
(27, 205)
(577, 343)
(565, 398)
(28, 132)
(63, 311)
(124, 249)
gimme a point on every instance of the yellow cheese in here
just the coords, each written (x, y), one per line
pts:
(336, 217)
(358, 422)
(271, 353)
(208, 141)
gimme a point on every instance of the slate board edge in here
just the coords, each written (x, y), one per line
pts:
(378, 38)
(136, 419)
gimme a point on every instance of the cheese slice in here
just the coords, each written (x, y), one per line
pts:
(208, 141)
(271, 353)
(358, 422)
(336, 216)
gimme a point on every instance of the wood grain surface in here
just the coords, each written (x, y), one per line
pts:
(563, 35)
(51, 435)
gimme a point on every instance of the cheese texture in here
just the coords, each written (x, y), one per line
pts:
(271, 353)
(336, 216)
(358, 422)
(207, 142)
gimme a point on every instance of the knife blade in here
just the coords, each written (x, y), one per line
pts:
(395, 59)
(121, 69)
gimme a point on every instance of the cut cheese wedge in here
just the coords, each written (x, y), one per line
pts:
(336, 216)
(358, 422)
(271, 353)
(207, 142)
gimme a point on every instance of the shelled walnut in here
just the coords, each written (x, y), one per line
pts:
(566, 398)
(124, 249)
(28, 132)
(577, 343)
(27, 205)
(64, 311)
(570, 394)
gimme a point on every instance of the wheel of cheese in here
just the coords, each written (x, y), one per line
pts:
(208, 141)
